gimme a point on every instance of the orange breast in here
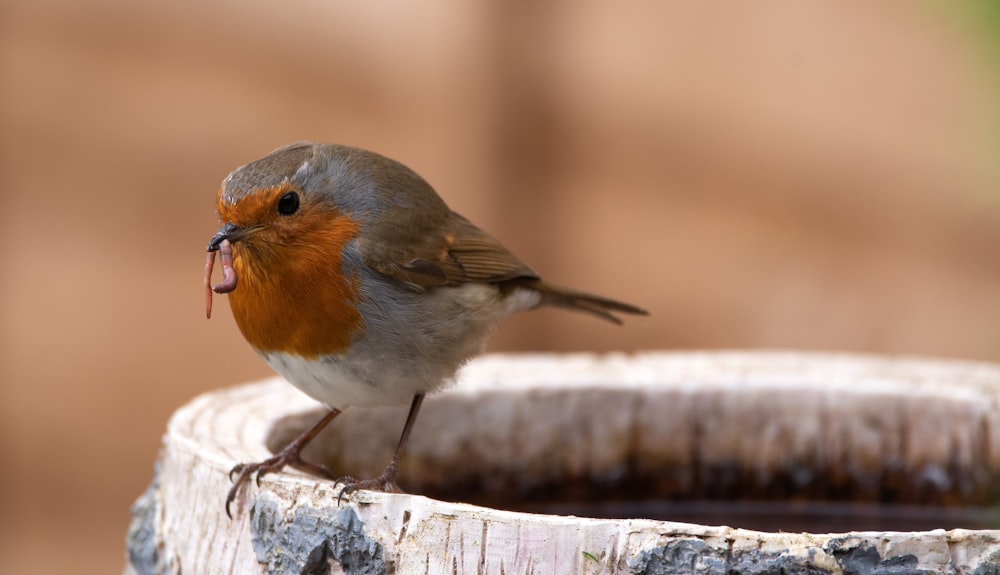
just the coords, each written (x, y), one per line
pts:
(291, 295)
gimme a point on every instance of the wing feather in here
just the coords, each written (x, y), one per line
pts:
(456, 253)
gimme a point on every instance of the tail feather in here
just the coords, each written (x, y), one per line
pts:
(599, 306)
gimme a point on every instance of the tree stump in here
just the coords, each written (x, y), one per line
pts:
(630, 436)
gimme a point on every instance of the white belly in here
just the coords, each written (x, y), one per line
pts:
(405, 349)
(338, 385)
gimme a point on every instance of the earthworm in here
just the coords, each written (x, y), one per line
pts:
(228, 283)
(209, 264)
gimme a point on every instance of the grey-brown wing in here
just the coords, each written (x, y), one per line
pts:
(455, 253)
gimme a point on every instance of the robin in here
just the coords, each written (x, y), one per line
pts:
(353, 280)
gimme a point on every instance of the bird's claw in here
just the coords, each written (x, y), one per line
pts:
(385, 482)
(287, 456)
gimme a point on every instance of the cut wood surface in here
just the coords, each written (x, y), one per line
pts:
(516, 424)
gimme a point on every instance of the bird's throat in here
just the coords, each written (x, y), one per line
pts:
(296, 299)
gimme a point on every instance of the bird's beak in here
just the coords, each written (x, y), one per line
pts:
(229, 231)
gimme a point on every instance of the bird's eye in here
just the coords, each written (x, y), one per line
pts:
(288, 204)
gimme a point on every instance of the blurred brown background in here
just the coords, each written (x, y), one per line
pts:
(808, 175)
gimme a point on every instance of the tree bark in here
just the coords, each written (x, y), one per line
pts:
(525, 421)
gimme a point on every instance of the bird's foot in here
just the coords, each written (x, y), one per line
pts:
(386, 482)
(290, 455)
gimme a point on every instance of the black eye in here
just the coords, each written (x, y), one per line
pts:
(288, 204)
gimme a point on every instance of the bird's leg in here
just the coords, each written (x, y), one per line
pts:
(290, 455)
(387, 480)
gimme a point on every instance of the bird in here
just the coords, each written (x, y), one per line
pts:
(350, 276)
